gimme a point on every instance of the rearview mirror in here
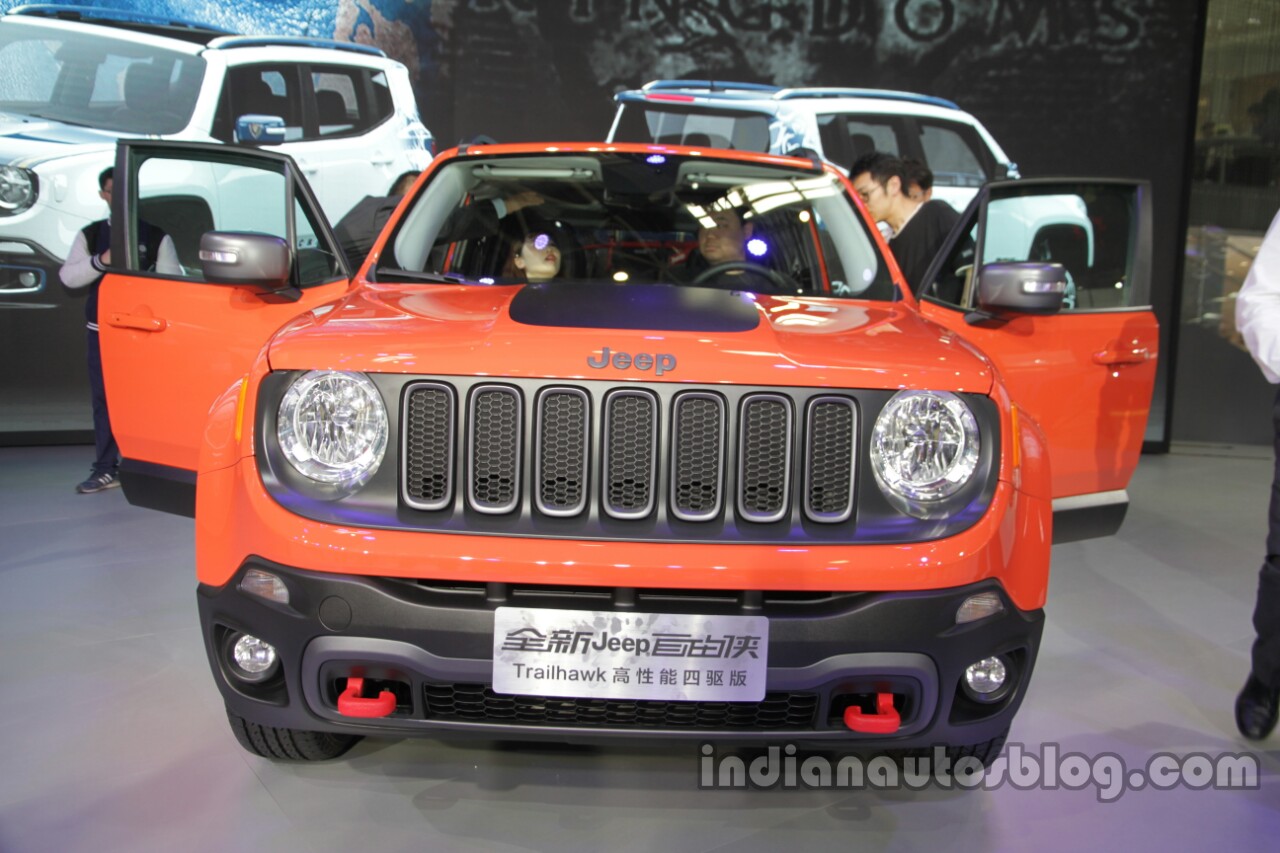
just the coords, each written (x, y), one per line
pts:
(1021, 288)
(243, 258)
(254, 129)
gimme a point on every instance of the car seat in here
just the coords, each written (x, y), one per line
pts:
(332, 109)
(146, 98)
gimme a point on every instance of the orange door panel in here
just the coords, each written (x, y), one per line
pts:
(1085, 377)
(170, 347)
(1085, 373)
(172, 340)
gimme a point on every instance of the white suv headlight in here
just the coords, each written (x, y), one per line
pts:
(924, 449)
(17, 190)
(332, 427)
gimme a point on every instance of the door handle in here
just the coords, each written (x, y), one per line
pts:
(380, 159)
(1116, 356)
(144, 324)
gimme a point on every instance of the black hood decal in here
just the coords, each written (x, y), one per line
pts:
(659, 307)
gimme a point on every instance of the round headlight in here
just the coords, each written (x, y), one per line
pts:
(332, 427)
(924, 449)
(17, 189)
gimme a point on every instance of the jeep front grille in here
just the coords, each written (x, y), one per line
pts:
(564, 440)
(429, 442)
(494, 442)
(828, 484)
(764, 457)
(630, 454)
(697, 467)
(613, 454)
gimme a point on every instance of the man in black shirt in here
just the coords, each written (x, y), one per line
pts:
(360, 227)
(919, 227)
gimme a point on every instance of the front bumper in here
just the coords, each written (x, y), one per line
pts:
(431, 644)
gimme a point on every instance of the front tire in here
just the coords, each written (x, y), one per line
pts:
(288, 744)
(986, 752)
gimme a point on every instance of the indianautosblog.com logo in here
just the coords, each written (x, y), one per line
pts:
(1045, 768)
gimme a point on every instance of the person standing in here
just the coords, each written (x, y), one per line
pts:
(919, 227)
(84, 267)
(1258, 319)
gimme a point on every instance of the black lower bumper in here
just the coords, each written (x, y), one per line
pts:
(431, 644)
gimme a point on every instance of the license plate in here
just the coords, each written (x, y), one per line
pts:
(609, 655)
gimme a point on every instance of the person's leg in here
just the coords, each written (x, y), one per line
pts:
(1258, 705)
(1266, 613)
(106, 461)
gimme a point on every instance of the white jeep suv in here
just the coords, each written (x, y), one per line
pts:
(74, 80)
(838, 125)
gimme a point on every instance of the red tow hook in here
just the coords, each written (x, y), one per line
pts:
(352, 704)
(885, 721)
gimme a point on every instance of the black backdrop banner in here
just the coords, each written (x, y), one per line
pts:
(1068, 87)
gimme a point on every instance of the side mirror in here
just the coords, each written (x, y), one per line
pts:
(1021, 288)
(242, 258)
(1011, 172)
(255, 129)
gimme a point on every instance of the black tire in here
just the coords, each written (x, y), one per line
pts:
(288, 744)
(986, 752)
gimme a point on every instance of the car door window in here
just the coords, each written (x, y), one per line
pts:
(186, 198)
(344, 103)
(269, 90)
(1091, 229)
(952, 152)
(871, 133)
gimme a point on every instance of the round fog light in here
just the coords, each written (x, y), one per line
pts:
(254, 659)
(985, 679)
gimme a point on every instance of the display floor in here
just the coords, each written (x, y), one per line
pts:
(113, 736)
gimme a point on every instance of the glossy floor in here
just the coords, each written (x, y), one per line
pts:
(113, 737)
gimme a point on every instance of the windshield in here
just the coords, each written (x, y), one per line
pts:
(663, 124)
(98, 81)
(638, 219)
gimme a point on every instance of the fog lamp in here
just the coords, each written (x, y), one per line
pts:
(985, 679)
(254, 659)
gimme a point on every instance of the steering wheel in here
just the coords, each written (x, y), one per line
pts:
(782, 282)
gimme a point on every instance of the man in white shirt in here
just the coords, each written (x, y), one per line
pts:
(1258, 319)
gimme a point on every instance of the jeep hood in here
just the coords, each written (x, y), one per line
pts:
(27, 142)
(586, 331)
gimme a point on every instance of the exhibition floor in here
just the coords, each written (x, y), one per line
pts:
(114, 738)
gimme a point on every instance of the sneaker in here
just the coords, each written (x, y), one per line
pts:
(98, 483)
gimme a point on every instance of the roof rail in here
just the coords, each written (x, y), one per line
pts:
(711, 85)
(885, 94)
(102, 14)
(292, 41)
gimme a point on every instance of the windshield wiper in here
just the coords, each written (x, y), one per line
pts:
(383, 274)
(61, 120)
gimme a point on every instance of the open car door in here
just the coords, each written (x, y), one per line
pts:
(173, 340)
(1084, 371)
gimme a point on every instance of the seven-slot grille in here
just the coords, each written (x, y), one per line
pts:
(624, 429)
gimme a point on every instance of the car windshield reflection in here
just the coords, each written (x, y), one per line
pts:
(637, 218)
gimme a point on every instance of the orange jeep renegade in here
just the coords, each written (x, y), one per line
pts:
(625, 441)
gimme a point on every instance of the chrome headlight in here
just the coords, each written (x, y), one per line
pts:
(924, 449)
(17, 189)
(332, 427)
